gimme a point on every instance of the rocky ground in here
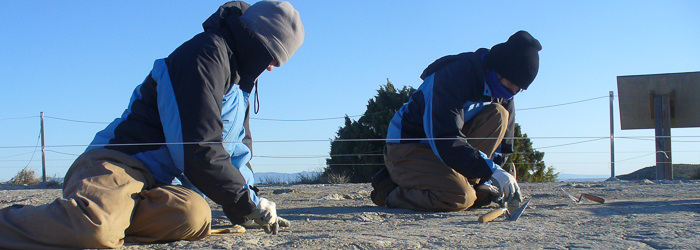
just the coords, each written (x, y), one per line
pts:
(636, 215)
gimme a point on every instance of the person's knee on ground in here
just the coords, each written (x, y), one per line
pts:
(170, 213)
(34, 227)
(457, 201)
(431, 200)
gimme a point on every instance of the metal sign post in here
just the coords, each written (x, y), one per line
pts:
(661, 102)
(662, 123)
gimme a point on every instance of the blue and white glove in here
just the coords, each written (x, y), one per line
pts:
(265, 215)
(508, 187)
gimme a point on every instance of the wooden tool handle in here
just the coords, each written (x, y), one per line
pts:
(594, 198)
(234, 229)
(492, 215)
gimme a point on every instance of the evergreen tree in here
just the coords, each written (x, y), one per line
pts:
(528, 162)
(360, 159)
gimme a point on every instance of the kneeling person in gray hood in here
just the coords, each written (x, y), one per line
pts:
(185, 135)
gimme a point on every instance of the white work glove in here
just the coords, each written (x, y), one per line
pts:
(265, 215)
(508, 187)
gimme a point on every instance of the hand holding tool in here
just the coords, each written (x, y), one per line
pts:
(252, 225)
(265, 215)
(507, 185)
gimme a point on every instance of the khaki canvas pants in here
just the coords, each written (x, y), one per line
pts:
(108, 198)
(425, 182)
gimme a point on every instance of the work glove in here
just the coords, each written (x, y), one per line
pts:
(509, 191)
(282, 222)
(265, 215)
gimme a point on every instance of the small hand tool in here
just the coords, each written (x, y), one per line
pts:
(511, 215)
(587, 196)
(234, 229)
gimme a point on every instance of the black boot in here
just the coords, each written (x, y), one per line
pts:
(383, 185)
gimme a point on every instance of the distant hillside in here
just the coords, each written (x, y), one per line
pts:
(581, 177)
(680, 172)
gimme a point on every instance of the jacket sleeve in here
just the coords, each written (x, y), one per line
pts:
(199, 72)
(452, 86)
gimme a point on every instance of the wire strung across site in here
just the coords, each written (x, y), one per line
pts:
(644, 153)
(592, 138)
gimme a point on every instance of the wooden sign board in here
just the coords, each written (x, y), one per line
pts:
(636, 98)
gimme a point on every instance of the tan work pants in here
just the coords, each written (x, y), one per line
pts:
(108, 198)
(425, 182)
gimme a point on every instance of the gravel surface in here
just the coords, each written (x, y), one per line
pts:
(636, 215)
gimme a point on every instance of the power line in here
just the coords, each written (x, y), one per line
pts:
(310, 119)
(71, 120)
(73, 159)
(62, 152)
(562, 104)
(18, 118)
(9, 156)
(35, 147)
(567, 144)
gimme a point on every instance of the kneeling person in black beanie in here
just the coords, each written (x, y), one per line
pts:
(445, 146)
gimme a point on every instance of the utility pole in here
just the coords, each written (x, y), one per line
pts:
(43, 151)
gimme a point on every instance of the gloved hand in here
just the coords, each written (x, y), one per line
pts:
(508, 187)
(265, 215)
(250, 224)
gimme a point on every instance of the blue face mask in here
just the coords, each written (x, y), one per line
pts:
(497, 89)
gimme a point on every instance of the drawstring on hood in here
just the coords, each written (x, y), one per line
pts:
(256, 102)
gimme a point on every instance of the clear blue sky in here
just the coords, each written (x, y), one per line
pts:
(80, 60)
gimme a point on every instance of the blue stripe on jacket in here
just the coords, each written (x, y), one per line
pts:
(453, 91)
(166, 163)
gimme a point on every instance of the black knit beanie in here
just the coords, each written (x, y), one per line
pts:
(517, 59)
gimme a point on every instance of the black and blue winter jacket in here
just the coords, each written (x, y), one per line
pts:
(188, 121)
(453, 92)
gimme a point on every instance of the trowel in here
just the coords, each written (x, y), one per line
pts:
(512, 213)
(587, 196)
